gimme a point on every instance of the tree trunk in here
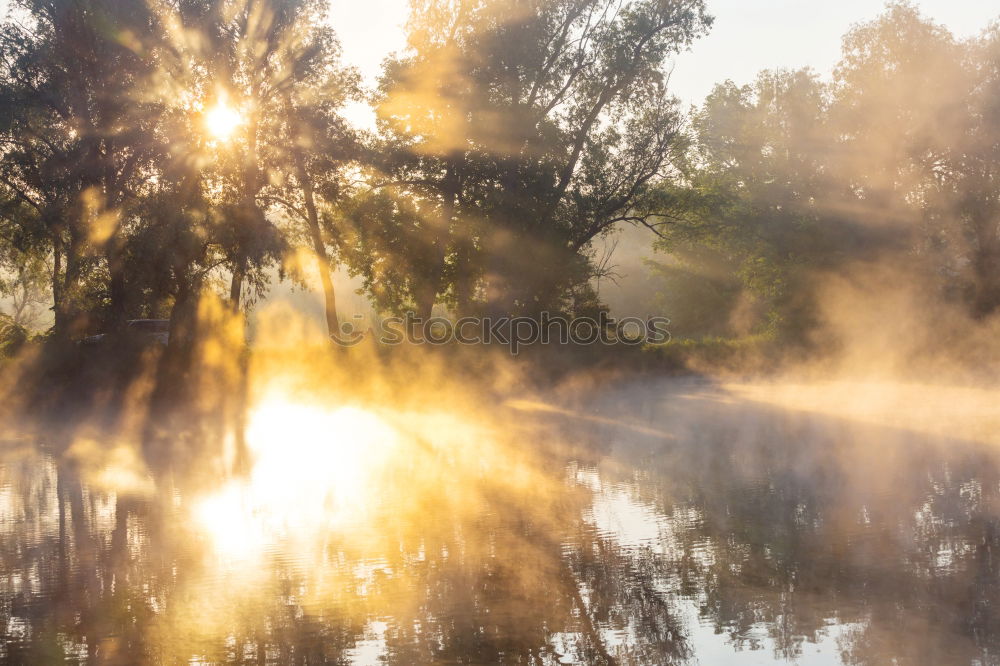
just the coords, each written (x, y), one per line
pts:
(67, 315)
(426, 296)
(117, 287)
(250, 189)
(236, 284)
(464, 277)
(986, 266)
(58, 322)
(319, 248)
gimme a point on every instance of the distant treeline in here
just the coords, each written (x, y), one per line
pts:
(892, 166)
(510, 136)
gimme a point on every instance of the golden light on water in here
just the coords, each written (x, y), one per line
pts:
(222, 121)
(312, 469)
(971, 413)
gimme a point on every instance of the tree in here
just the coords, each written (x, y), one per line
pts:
(321, 148)
(277, 65)
(24, 267)
(895, 158)
(79, 139)
(25, 287)
(919, 116)
(979, 203)
(759, 206)
(521, 132)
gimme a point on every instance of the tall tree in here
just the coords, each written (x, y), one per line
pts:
(276, 67)
(758, 209)
(320, 149)
(896, 158)
(919, 118)
(521, 132)
(24, 268)
(79, 132)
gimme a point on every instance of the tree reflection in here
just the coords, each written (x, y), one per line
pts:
(815, 523)
(752, 528)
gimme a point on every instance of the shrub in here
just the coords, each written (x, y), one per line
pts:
(12, 336)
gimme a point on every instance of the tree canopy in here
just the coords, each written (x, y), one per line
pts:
(153, 152)
(892, 159)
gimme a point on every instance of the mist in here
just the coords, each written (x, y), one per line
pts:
(538, 363)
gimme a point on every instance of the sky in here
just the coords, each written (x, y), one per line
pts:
(748, 35)
(751, 35)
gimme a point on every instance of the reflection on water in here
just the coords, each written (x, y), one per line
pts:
(312, 467)
(673, 522)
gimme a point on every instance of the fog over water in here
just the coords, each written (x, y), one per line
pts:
(807, 472)
(664, 521)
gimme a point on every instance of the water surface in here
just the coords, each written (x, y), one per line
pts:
(665, 522)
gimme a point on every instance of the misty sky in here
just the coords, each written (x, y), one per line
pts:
(748, 36)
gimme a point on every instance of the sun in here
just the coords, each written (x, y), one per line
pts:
(222, 120)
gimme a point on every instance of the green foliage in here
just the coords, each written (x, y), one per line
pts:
(108, 176)
(792, 177)
(522, 132)
(755, 212)
(720, 354)
(13, 336)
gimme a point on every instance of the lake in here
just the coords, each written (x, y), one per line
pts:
(659, 522)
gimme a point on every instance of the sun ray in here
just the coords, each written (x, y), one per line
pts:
(222, 121)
